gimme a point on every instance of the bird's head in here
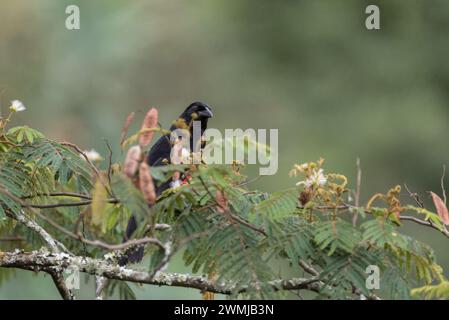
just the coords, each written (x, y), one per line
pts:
(197, 111)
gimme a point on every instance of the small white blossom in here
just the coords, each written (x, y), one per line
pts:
(17, 106)
(175, 184)
(316, 179)
(93, 155)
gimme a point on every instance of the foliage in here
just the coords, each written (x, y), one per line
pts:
(239, 239)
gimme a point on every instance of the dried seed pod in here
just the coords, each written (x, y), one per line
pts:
(304, 197)
(222, 201)
(441, 208)
(132, 160)
(125, 128)
(146, 183)
(149, 122)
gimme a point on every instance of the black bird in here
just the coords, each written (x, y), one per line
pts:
(159, 155)
(160, 152)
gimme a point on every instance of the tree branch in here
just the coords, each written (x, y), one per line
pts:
(402, 218)
(234, 217)
(42, 260)
(60, 194)
(55, 245)
(59, 281)
(99, 243)
(425, 223)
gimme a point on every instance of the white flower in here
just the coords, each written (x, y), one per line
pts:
(175, 184)
(93, 155)
(17, 106)
(316, 179)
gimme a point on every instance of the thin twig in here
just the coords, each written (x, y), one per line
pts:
(442, 183)
(248, 181)
(65, 204)
(415, 197)
(357, 192)
(94, 168)
(124, 245)
(109, 164)
(98, 243)
(12, 239)
(308, 268)
(60, 194)
(58, 205)
(246, 223)
(425, 223)
(233, 216)
(81, 152)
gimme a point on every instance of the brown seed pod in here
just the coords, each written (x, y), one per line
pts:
(149, 122)
(125, 128)
(304, 197)
(222, 201)
(146, 183)
(132, 160)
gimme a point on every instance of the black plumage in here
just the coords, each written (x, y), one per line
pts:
(159, 155)
(160, 152)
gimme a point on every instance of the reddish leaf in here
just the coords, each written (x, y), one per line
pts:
(441, 208)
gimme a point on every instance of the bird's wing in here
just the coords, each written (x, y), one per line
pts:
(159, 151)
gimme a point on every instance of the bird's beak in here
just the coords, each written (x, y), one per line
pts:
(206, 113)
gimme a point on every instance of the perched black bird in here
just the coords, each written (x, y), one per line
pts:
(159, 155)
(160, 152)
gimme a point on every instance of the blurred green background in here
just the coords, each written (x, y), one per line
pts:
(309, 68)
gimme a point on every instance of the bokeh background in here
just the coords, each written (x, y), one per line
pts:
(308, 68)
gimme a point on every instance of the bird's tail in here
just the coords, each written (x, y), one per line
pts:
(135, 254)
